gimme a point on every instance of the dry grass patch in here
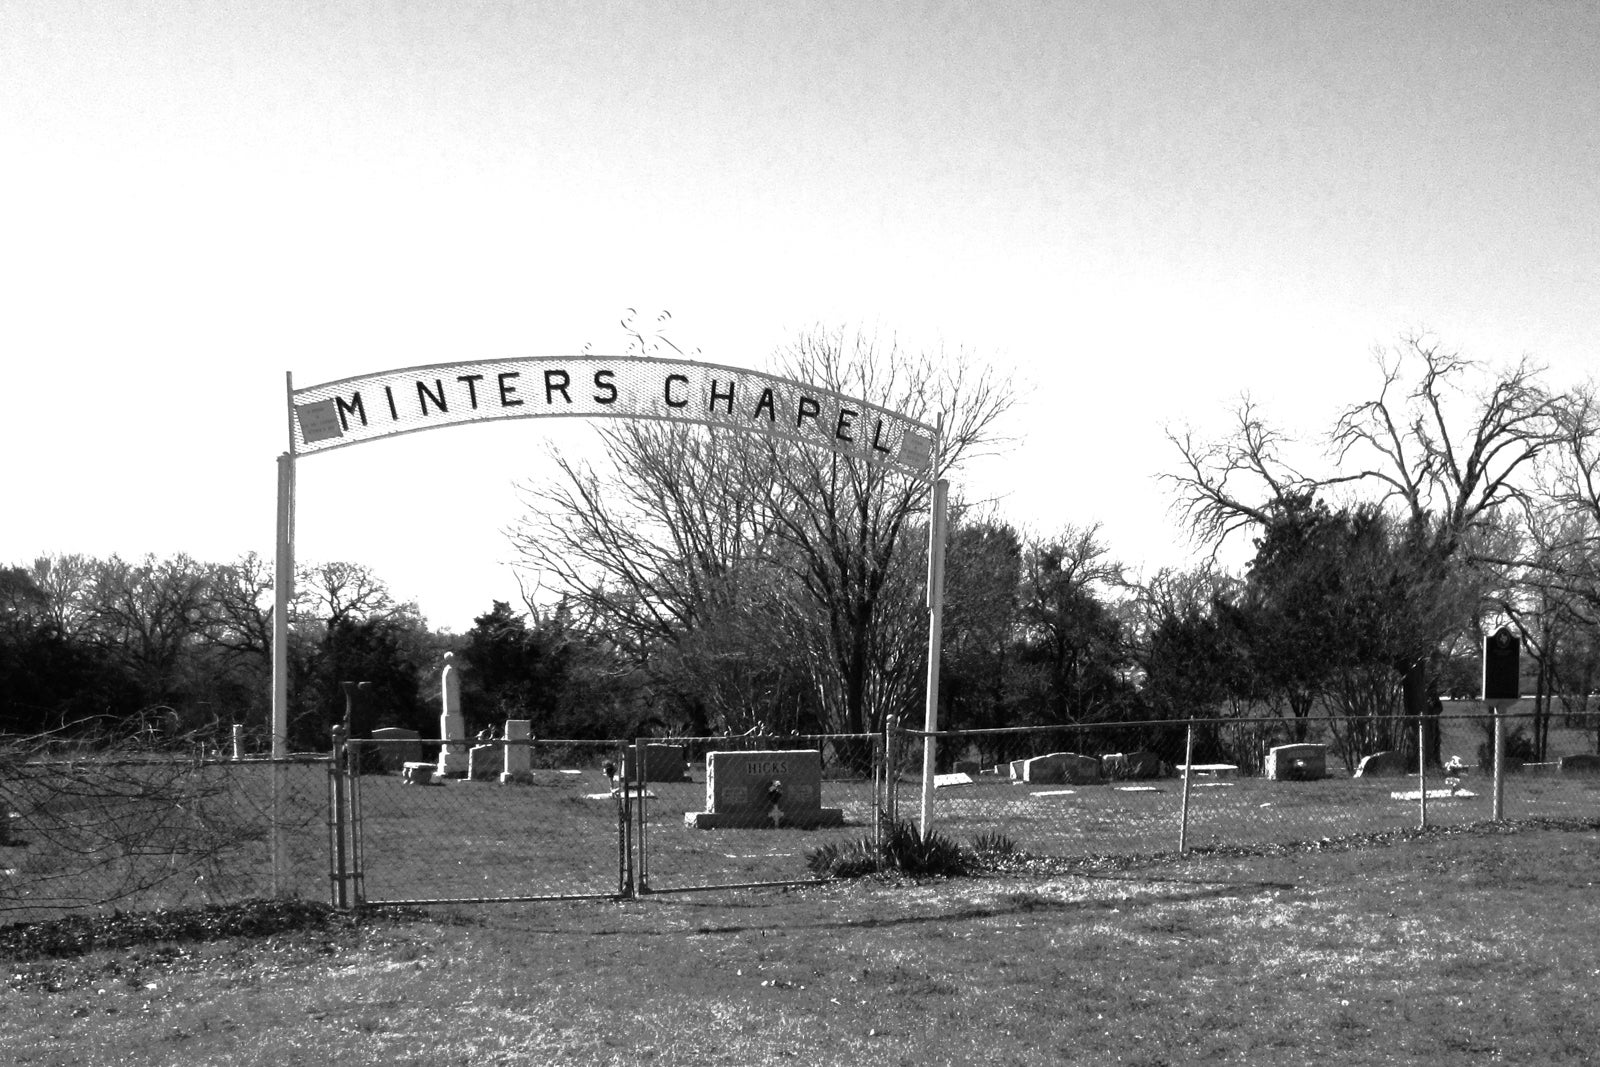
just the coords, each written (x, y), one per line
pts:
(1459, 948)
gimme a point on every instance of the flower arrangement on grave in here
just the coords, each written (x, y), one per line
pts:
(775, 794)
(1454, 769)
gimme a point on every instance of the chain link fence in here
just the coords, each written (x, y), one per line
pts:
(547, 819)
(94, 831)
(1136, 788)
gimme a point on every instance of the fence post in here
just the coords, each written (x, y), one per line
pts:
(336, 772)
(889, 809)
(937, 519)
(643, 865)
(1188, 774)
(893, 771)
(1422, 773)
(880, 786)
(624, 826)
(1499, 810)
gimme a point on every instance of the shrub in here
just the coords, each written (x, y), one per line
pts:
(849, 861)
(993, 845)
(903, 849)
(1519, 746)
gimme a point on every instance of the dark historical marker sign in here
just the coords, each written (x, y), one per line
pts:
(1502, 666)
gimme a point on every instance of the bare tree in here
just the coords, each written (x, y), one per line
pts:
(656, 542)
(67, 582)
(150, 613)
(1234, 483)
(1446, 462)
(242, 598)
(687, 525)
(847, 523)
(1447, 472)
(340, 591)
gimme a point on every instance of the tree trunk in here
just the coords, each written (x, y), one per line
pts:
(1417, 690)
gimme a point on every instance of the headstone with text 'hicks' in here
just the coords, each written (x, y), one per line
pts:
(776, 790)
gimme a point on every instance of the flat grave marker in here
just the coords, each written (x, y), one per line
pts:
(1433, 794)
(1214, 770)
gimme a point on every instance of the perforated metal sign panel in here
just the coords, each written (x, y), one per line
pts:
(352, 410)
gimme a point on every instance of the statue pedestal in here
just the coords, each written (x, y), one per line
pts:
(454, 761)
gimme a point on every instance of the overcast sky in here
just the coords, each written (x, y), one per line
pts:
(1143, 208)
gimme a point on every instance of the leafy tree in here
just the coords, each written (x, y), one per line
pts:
(351, 629)
(1191, 658)
(48, 680)
(389, 652)
(1070, 636)
(983, 578)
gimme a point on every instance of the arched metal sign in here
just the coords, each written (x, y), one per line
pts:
(370, 407)
(352, 410)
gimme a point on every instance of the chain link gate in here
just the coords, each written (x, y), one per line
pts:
(398, 833)
(590, 819)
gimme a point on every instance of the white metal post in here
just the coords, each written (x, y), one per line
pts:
(936, 537)
(1422, 774)
(282, 594)
(1188, 775)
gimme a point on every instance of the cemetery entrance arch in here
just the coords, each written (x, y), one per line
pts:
(351, 411)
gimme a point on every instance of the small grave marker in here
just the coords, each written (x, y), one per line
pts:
(418, 773)
(401, 747)
(1586, 763)
(1387, 764)
(1132, 765)
(519, 757)
(1300, 763)
(1065, 767)
(662, 763)
(482, 761)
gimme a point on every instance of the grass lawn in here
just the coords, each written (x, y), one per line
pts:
(1455, 947)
